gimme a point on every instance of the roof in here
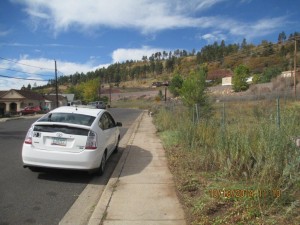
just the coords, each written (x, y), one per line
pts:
(53, 97)
(79, 110)
(2, 93)
(34, 95)
(30, 94)
(26, 94)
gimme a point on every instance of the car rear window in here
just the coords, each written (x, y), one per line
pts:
(63, 129)
(72, 118)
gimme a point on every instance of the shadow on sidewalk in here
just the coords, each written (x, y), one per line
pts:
(136, 161)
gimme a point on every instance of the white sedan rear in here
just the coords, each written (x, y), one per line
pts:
(71, 138)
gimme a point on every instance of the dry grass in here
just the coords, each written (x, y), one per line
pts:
(216, 180)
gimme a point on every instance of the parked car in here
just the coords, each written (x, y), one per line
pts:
(98, 104)
(71, 137)
(30, 110)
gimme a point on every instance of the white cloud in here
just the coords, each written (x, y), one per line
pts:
(4, 33)
(122, 54)
(147, 16)
(248, 29)
(38, 69)
(212, 37)
(266, 26)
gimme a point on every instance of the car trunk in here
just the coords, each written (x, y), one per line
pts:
(59, 138)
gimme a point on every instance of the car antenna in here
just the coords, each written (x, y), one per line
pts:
(76, 107)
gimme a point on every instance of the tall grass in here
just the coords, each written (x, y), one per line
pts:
(247, 143)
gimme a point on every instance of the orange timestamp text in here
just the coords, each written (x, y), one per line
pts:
(244, 193)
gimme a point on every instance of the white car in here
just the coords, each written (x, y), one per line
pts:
(71, 137)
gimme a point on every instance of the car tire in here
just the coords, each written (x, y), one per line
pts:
(34, 169)
(102, 165)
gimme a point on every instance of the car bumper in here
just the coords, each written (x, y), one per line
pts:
(85, 160)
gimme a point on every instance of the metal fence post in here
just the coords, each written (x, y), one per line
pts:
(278, 113)
(197, 112)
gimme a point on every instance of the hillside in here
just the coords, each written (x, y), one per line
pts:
(265, 61)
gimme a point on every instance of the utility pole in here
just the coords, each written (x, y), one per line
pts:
(56, 85)
(99, 90)
(110, 94)
(295, 67)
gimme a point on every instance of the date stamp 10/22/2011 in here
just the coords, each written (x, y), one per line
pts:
(244, 193)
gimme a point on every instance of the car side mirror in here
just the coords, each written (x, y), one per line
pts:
(118, 124)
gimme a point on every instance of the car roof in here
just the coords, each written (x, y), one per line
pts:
(79, 110)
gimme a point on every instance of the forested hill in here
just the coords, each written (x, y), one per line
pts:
(218, 57)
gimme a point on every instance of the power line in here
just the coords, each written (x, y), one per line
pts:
(18, 78)
(30, 66)
(24, 72)
(42, 68)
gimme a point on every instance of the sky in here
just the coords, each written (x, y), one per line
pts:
(83, 35)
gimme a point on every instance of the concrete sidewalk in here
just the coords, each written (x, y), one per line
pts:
(141, 190)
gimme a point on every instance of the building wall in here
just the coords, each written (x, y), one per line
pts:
(226, 81)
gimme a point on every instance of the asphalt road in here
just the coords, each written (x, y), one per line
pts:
(43, 198)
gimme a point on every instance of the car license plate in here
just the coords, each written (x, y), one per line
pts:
(59, 141)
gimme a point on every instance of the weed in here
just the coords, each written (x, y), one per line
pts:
(238, 167)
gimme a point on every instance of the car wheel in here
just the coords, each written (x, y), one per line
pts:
(117, 146)
(102, 164)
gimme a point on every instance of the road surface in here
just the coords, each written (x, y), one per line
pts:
(43, 198)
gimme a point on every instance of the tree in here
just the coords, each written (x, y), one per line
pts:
(281, 37)
(159, 67)
(170, 64)
(269, 73)
(176, 84)
(193, 52)
(144, 58)
(256, 78)
(244, 44)
(86, 91)
(239, 80)
(267, 48)
(193, 89)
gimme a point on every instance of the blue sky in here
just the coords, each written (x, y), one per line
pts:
(83, 35)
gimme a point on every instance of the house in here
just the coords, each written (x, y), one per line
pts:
(289, 73)
(50, 101)
(226, 81)
(70, 97)
(224, 74)
(12, 101)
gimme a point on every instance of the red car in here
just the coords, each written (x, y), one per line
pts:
(30, 110)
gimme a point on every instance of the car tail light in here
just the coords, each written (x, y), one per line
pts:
(91, 142)
(28, 138)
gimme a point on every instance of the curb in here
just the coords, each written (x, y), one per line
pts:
(100, 210)
(21, 117)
